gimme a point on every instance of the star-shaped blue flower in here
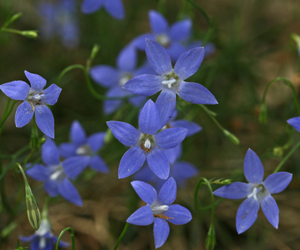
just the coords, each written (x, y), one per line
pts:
(114, 7)
(257, 193)
(159, 209)
(146, 143)
(34, 99)
(115, 78)
(85, 146)
(43, 239)
(56, 174)
(171, 81)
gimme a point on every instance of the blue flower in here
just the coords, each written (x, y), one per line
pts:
(114, 79)
(295, 123)
(114, 7)
(85, 146)
(35, 100)
(146, 143)
(43, 239)
(159, 209)
(175, 38)
(56, 174)
(171, 81)
(257, 193)
(60, 19)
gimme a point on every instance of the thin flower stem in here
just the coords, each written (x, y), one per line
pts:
(6, 115)
(72, 236)
(287, 157)
(11, 31)
(121, 236)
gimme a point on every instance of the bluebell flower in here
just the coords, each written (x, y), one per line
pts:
(43, 239)
(295, 123)
(114, 7)
(146, 143)
(82, 145)
(56, 173)
(175, 38)
(159, 209)
(60, 19)
(114, 79)
(171, 81)
(257, 193)
(34, 101)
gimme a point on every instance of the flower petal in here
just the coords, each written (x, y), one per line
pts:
(24, 114)
(195, 93)
(105, 75)
(181, 171)
(67, 150)
(131, 162)
(173, 153)
(141, 217)
(111, 106)
(171, 137)
(16, 90)
(115, 8)
(149, 120)
(96, 141)
(51, 94)
(98, 164)
(181, 30)
(192, 127)
(165, 104)
(271, 210)
(91, 6)
(236, 190)
(253, 168)
(158, 57)
(69, 192)
(158, 23)
(175, 50)
(158, 163)
(36, 81)
(295, 123)
(145, 191)
(127, 58)
(50, 153)
(28, 238)
(246, 214)
(161, 232)
(124, 132)
(38, 172)
(73, 166)
(44, 120)
(51, 187)
(78, 135)
(139, 41)
(277, 182)
(146, 85)
(178, 215)
(167, 193)
(145, 174)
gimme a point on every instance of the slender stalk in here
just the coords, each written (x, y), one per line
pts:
(121, 236)
(71, 235)
(6, 114)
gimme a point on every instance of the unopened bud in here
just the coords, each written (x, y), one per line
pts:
(231, 137)
(33, 211)
(95, 51)
(278, 151)
(30, 34)
(263, 116)
(297, 40)
(108, 136)
(210, 241)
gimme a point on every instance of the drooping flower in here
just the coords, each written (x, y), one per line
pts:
(171, 81)
(115, 78)
(146, 143)
(114, 7)
(83, 146)
(43, 239)
(257, 193)
(56, 174)
(60, 19)
(159, 209)
(34, 101)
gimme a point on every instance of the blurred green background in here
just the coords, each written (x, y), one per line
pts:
(253, 46)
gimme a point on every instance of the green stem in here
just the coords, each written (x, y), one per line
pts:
(121, 236)
(6, 114)
(11, 31)
(71, 236)
(287, 157)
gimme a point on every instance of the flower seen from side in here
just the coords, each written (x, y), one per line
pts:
(56, 174)
(146, 143)
(171, 81)
(257, 193)
(34, 98)
(159, 209)
(83, 146)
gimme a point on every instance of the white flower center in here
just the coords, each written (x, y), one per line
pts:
(57, 173)
(163, 39)
(159, 209)
(84, 150)
(42, 243)
(124, 79)
(147, 144)
(44, 228)
(169, 82)
(253, 194)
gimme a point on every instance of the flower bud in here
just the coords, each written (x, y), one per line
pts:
(30, 34)
(33, 211)
(278, 151)
(263, 113)
(210, 241)
(231, 137)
